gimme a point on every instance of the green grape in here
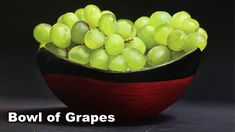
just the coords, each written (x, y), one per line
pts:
(158, 18)
(60, 20)
(134, 58)
(177, 54)
(106, 11)
(92, 15)
(117, 63)
(79, 31)
(203, 33)
(190, 25)
(161, 34)
(178, 19)
(158, 55)
(94, 39)
(60, 35)
(138, 44)
(99, 59)
(42, 33)
(176, 40)
(56, 50)
(195, 40)
(146, 34)
(108, 24)
(114, 44)
(80, 14)
(69, 19)
(80, 54)
(125, 29)
(141, 22)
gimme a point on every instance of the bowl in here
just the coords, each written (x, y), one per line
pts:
(130, 96)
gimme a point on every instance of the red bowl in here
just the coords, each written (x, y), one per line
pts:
(129, 96)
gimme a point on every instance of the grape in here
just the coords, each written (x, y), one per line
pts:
(176, 54)
(195, 40)
(69, 19)
(135, 59)
(56, 50)
(80, 54)
(80, 14)
(141, 22)
(190, 25)
(79, 31)
(138, 44)
(125, 29)
(117, 63)
(158, 55)
(106, 11)
(42, 33)
(92, 15)
(146, 34)
(203, 33)
(60, 35)
(161, 34)
(178, 19)
(94, 39)
(99, 59)
(114, 44)
(108, 24)
(176, 40)
(158, 18)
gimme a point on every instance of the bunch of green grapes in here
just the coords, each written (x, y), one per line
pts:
(98, 39)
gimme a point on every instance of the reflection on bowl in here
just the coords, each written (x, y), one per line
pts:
(129, 96)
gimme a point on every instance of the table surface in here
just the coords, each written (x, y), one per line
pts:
(180, 117)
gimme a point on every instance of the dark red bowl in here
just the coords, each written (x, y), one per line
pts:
(129, 96)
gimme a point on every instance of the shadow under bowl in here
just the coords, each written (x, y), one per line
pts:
(129, 96)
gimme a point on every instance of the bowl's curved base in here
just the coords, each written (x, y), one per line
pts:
(127, 101)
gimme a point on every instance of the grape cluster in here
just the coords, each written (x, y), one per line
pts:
(96, 38)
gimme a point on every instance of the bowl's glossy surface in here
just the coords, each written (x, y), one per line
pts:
(129, 96)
